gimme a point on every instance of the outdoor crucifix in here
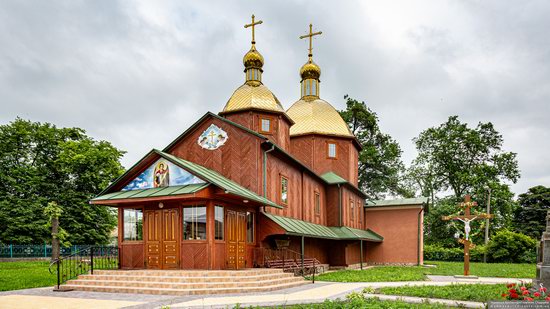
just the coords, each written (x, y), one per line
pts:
(310, 35)
(253, 24)
(466, 219)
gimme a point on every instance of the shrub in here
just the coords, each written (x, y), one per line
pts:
(510, 247)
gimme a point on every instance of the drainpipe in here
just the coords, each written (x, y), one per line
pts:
(265, 170)
(361, 254)
(419, 232)
(303, 251)
(340, 205)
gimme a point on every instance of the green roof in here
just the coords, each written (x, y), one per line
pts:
(302, 228)
(153, 192)
(333, 178)
(397, 202)
(202, 172)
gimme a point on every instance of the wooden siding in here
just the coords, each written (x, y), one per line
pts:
(240, 159)
(280, 127)
(312, 151)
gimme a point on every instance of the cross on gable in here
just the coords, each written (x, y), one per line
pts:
(254, 23)
(310, 35)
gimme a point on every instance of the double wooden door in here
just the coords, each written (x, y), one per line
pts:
(236, 239)
(162, 245)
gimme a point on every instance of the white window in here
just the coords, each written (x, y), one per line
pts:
(266, 125)
(331, 150)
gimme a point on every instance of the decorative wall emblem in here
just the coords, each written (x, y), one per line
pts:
(162, 173)
(212, 138)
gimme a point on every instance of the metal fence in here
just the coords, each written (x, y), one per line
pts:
(36, 251)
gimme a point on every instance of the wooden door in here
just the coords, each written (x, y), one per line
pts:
(153, 254)
(162, 240)
(236, 240)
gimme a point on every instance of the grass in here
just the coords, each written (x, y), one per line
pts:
(24, 275)
(418, 273)
(470, 292)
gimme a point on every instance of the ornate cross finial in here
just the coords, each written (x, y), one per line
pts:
(252, 25)
(311, 34)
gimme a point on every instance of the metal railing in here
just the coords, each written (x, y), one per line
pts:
(35, 251)
(287, 260)
(84, 261)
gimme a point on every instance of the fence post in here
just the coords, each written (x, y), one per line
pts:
(45, 250)
(58, 281)
(92, 259)
(11, 250)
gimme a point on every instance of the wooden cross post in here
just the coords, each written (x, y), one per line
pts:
(310, 35)
(254, 23)
(466, 219)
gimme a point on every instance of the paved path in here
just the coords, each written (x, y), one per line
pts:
(45, 298)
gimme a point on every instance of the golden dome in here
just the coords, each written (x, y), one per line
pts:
(310, 70)
(250, 96)
(253, 59)
(317, 116)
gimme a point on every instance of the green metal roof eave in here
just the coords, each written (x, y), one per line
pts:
(152, 192)
(217, 179)
(397, 202)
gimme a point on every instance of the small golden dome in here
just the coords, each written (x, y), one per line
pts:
(253, 97)
(316, 116)
(310, 70)
(253, 59)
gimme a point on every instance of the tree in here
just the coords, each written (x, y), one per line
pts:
(530, 216)
(380, 165)
(462, 159)
(40, 163)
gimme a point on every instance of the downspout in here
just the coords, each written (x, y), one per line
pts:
(419, 232)
(340, 205)
(361, 254)
(265, 170)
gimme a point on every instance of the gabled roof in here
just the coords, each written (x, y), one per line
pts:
(202, 172)
(152, 192)
(303, 228)
(397, 202)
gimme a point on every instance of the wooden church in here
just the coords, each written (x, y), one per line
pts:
(238, 187)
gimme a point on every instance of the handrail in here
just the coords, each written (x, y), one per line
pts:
(286, 259)
(83, 261)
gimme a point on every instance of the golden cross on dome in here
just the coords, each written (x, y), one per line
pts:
(252, 25)
(310, 35)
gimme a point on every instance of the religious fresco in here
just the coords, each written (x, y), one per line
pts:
(212, 138)
(162, 173)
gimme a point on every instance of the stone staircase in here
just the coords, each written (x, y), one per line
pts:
(185, 282)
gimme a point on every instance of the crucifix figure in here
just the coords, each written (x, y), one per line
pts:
(466, 219)
(310, 35)
(254, 23)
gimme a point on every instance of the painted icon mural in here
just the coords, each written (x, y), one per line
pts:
(212, 138)
(162, 173)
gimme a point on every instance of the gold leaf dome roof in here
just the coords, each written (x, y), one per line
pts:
(316, 116)
(253, 59)
(251, 96)
(310, 70)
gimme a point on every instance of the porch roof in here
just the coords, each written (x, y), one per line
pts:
(302, 228)
(152, 192)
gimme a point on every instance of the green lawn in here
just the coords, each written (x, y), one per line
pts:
(24, 275)
(417, 273)
(470, 292)
(359, 303)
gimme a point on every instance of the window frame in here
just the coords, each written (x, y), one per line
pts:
(183, 222)
(253, 215)
(331, 142)
(141, 208)
(352, 209)
(222, 223)
(317, 203)
(281, 177)
(260, 125)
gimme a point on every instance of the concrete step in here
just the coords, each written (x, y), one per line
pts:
(185, 279)
(191, 273)
(194, 291)
(185, 286)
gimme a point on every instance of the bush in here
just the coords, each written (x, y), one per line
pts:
(510, 247)
(439, 253)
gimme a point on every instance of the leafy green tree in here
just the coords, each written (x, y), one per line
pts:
(40, 163)
(530, 217)
(380, 165)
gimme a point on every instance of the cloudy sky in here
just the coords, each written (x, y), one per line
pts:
(139, 73)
